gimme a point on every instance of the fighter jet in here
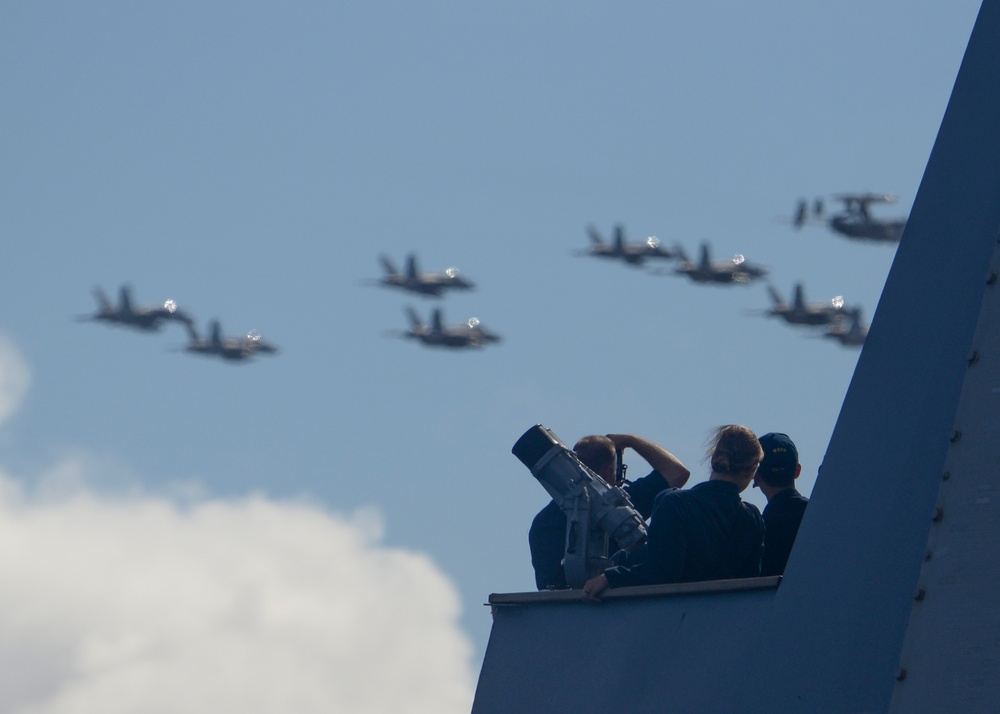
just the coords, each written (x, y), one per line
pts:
(802, 313)
(466, 335)
(735, 270)
(855, 220)
(149, 319)
(234, 349)
(428, 284)
(852, 334)
(631, 253)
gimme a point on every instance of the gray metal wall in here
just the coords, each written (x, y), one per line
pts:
(619, 655)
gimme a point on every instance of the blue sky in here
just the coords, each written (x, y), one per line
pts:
(251, 161)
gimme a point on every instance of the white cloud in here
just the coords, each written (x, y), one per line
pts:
(133, 604)
(15, 378)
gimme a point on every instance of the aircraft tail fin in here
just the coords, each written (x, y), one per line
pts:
(775, 296)
(216, 330)
(388, 266)
(437, 324)
(706, 258)
(411, 267)
(125, 299)
(801, 211)
(800, 297)
(415, 322)
(619, 238)
(595, 236)
(102, 300)
(681, 254)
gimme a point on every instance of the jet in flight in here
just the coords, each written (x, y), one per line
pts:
(735, 270)
(631, 253)
(852, 334)
(234, 349)
(428, 284)
(466, 335)
(149, 319)
(802, 313)
(855, 220)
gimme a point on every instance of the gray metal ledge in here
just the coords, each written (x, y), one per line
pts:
(642, 591)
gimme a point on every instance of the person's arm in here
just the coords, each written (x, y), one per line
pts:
(666, 464)
(664, 558)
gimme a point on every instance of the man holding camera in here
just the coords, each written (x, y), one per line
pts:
(547, 535)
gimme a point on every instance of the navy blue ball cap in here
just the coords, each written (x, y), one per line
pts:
(780, 457)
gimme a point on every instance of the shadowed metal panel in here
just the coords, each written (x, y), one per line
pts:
(951, 653)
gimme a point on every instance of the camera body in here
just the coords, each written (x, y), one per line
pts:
(595, 511)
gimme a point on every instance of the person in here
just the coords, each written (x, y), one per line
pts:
(706, 532)
(785, 505)
(547, 535)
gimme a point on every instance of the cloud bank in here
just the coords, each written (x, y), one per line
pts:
(112, 605)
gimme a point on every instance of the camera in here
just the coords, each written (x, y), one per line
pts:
(595, 511)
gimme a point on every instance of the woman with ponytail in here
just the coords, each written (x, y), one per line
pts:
(706, 532)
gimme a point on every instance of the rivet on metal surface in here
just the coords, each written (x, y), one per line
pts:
(920, 595)
(946, 475)
(991, 281)
(900, 674)
(955, 437)
(938, 515)
(973, 357)
(928, 555)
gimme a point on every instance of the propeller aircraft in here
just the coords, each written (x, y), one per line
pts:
(855, 220)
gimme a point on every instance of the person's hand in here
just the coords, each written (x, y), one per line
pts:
(595, 587)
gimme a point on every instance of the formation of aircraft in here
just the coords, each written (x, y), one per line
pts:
(428, 284)
(735, 270)
(234, 349)
(801, 312)
(620, 249)
(149, 319)
(469, 334)
(844, 324)
(855, 220)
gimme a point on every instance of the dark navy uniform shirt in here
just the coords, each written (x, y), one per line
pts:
(705, 532)
(782, 516)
